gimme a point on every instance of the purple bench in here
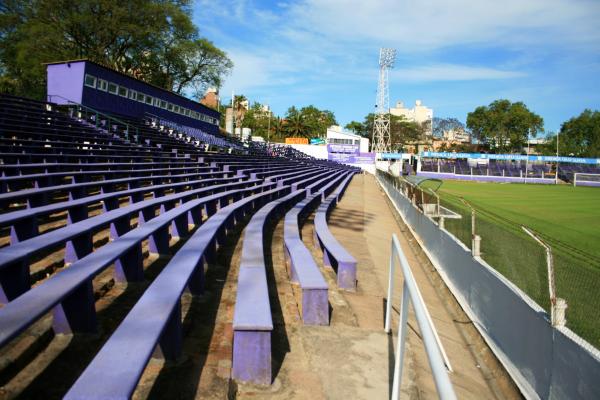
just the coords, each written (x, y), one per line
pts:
(252, 322)
(12, 183)
(69, 292)
(24, 223)
(14, 259)
(334, 254)
(41, 196)
(156, 318)
(302, 268)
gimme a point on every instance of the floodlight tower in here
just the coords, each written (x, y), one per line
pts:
(381, 126)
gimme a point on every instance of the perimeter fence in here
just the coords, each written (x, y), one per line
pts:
(518, 257)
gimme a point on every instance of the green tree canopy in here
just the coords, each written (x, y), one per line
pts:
(357, 128)
(504, 125)
(402, 131)
(441, 125)
(154, 40)
(308, 122)
(579, 136)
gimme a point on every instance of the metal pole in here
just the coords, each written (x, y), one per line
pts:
(269, 128)
(399, 361)
(556, 177)
(441, 379)
(527, 159)
(388, 306)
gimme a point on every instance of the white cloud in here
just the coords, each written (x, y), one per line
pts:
(430, 24)
(451, 72)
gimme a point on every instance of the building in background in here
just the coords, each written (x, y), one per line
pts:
(419, 113)
(211, 98)
(336, 135)
(105, 89)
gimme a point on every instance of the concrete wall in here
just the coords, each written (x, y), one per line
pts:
(545, 362)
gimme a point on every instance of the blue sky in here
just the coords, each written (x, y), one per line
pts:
(453, 55)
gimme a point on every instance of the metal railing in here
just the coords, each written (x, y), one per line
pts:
(435, 353)
(89, 114)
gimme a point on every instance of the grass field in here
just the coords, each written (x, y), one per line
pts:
(566, 217)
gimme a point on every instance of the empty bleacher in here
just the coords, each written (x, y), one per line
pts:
(85, 196)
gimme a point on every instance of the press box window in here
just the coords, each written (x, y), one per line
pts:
(163, 104)
(102, 85)
(132, 94)
(141, 97)
(112, 88)
(148, 99)
(170, 106)
(176, 109)
(90, 81)
(156, 102)
(187, 112)
(122, 91)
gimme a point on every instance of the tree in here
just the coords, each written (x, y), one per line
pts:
(239, 110)
(402, 131)
(357, 128)
(441, 125)
(505, 126)
(154, 40)
(317, 121)
(579, 136)
(294, 123)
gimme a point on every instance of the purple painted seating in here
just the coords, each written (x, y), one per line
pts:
(319, 183)
(23, 169)
(310, 177)
(42, 195)
(24, 223)
(252, 323)
(25, 158)
(295, 174)
(12, 183)
(14, 264)
(302, 268)
(334, 254)
(69, 292)
(264, 171)
(155, 319)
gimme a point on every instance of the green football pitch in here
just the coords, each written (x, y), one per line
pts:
(570, 214)
(565, 217)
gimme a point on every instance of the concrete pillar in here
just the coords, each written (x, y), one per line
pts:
(558, 314)
(476, 246)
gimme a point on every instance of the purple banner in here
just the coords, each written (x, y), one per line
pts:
(360, 158)
(343, 148)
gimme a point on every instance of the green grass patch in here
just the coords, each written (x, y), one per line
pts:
(566, 217)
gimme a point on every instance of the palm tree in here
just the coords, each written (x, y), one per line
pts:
(296, 127)
(278, 127)
(240, 104)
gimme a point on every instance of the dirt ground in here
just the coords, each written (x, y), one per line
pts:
(350, 359)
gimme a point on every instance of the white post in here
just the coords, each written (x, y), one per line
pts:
(476, 246)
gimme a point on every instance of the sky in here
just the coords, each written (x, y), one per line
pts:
(452, 55)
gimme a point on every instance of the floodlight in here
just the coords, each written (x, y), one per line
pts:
(387, 57)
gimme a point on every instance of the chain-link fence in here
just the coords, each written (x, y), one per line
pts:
(518, 257)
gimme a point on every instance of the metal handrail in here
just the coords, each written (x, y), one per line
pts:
(433, 347)
(96, 113)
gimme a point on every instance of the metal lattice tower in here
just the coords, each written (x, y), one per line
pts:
(381, 126)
